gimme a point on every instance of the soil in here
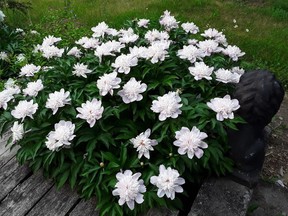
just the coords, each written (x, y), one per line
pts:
(276, 161)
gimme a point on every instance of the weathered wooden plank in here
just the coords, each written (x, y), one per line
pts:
(7, 156)
(85, 208)
(11, 175)
(25, 195)
(161, 212)
(3, 141)
(61, 202)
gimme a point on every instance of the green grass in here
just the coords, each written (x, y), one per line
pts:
(265, 44)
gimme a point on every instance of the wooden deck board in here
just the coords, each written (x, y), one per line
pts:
(85, 208)
(7, 156)
(11, 175)
(55, 202)
(25, 195)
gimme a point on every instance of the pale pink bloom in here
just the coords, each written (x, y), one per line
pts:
(33, 88)
(123, 63)
(5, 97)
(200, 70)
(226, 76)
(88, 43)
(75, 52)
(100, 29)
(209, 47)
(157, 51)
(190, 142)
(23, 109)
(169, 22)
(167, 105)
(81, 70)
(132, 91)
(108, 49)
(107, 83)
(139, 52)
(190, 53)
(233, 52)
(224, 107)
(62, 136)
(238, 70)
(143, 23)
(144, 144)
(128, 36)
(58, 99)
(29, 70)
(51, 51)
(129, 188)
(190, 28)
(17, 132)
(154, 34)
(168, 182)
(90, 111)
(50, 40)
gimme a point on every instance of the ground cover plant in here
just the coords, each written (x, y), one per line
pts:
(129, 115)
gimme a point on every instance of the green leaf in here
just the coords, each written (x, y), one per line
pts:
(63, 179)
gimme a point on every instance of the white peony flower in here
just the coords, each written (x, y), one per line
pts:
(190, 53)
(139, 52)
(224, 107)
(233, 52)
(192, 41)
(123, 63)
(108, 49)
(62, 136)
(101, 29)
(17, 132)
(29, 70)
(201, 70)
(75, 52)
(167, 105)
(226, 76)
(168, 182)
(58, 99)
(143, 23)
(81, 70)
(169, 22)
(90, 111)
(88, 43)
(33, 88)
(129, 188)
(157, 51)
(190, 28)
(209, 47)
(144, 144)
(50, 40)
(23, 109)
(153, 35)
(4, 56)
(107, 83)
(2, 16)
(190, 142)
(128, 36)
(132, 91)
(217, 36)
(51, 51)
(5, 97)
(238, 70)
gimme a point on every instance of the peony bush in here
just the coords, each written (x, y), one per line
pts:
(130, 116)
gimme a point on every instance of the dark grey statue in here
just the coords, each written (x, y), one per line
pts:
(260, 96)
